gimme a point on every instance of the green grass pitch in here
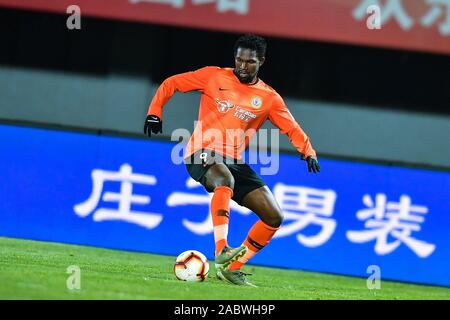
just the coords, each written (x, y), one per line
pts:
(38, 270)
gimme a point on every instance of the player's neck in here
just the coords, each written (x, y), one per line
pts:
(254, 81)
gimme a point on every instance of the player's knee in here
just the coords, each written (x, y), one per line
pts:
(275, 219)
(225, 180)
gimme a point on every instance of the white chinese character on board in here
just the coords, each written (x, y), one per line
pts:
(188, 199)
(391, 9)
(125, 198)
(303, 207)
(173, 3)
(391, 219)
(436, 11)
(238, 6)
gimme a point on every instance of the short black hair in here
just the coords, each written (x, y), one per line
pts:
(252, 42)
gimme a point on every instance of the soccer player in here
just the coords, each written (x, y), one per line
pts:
(233, 100)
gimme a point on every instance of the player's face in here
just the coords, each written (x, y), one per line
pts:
(247, 65)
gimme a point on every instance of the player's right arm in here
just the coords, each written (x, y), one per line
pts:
(183, 82)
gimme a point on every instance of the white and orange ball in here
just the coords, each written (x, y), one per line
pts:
(191, 265)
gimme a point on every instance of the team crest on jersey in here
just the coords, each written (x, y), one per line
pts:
(256, 102)
(224, 105)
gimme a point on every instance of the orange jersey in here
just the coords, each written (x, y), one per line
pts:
(230, 112)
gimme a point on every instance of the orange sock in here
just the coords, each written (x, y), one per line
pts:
(258, 237)
(220, 212)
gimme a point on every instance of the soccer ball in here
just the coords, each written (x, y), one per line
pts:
(191, 265)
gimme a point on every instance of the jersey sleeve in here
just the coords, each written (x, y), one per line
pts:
(282, 118)
(183, 82)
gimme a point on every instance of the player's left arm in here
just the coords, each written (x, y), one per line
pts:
(282, 118)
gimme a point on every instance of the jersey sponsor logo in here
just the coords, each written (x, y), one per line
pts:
(244, 114)
(256, 102)
(224, 105)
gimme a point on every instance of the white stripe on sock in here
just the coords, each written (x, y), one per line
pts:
(220, 232)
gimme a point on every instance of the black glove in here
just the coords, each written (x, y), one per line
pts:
(313, 164)
(152, 124)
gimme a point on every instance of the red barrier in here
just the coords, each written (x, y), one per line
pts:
(422, 25)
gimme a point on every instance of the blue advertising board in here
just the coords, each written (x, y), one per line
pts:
(127, 193)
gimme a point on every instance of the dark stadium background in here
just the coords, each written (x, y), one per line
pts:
(385, 80)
